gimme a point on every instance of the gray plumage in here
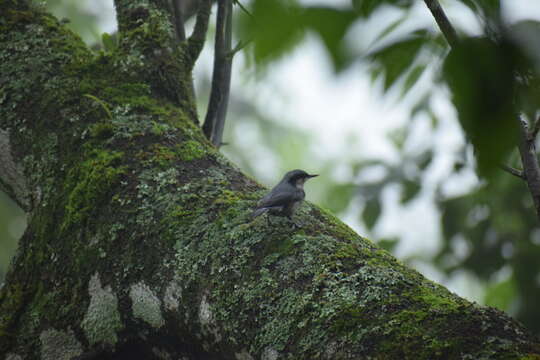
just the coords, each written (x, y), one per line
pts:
(285, 197)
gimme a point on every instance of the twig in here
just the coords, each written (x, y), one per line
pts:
(241, 44)
(242, 7)
(214, 122)
(513, 171)
(196, 40)
(444, 24)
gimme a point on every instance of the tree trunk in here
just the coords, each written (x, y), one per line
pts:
(139, 244)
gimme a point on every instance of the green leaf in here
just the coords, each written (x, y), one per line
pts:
(275, 28)
(396, 58)
(388, 244)
(480, 75)
(366, 7)
(109, 41)
(489, 8)
(390, 28)
(331, 25)
(339, 197)
(501, 295)
(412, 78)
(424, 159)
(372, 211)
(409, 190)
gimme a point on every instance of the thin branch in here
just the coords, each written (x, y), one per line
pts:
(513, 171)
(178, 20)
(214, 122)
(198, 36)
(444, 24)
(242, 7)
(536, 128)
(241, 44)
(531, 169)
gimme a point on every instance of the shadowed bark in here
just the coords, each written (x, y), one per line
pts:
(138, 242)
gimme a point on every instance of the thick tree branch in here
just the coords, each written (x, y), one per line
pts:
(140, 244)
(12, 179)
(444, 24)
(198, 36)
(221, 79)
(178, 20)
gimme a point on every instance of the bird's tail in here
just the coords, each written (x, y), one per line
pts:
(258, 212)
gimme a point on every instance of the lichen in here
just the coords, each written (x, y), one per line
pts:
(59, 345)
(205, 314)
(102, 320)
(13, 357)
(145, 305)
(173, 293)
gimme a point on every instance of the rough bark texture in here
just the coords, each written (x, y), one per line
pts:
(138, 243)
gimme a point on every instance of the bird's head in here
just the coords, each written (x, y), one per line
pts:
(297, 178)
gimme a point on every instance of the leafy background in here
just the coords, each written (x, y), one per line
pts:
(406, 134)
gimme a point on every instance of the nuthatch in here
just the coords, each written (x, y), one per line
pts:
(285, 197)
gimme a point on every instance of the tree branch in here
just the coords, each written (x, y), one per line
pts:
(536, 128)
(221, 79)
(531, 170)
(198, 36)
(178, 20)
(145, 242)
(444, 24)
(513, 171)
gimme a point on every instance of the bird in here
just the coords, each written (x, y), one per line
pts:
(285, 197)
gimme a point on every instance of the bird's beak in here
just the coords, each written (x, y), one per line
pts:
(312, 176)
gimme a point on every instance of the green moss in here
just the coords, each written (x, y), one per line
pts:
(11, 301)
(88, 183)
(160, 155)
(101, 130)
(190, 150)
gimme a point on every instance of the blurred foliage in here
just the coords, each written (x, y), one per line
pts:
(490, 230)
(481, 75)
(81, 16)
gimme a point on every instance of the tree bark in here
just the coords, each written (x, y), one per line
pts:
(139, 243)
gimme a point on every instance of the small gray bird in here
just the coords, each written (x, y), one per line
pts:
(285, 197)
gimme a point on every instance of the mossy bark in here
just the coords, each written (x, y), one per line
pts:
(139, 243)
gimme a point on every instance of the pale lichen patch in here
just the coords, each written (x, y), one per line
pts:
(205, 314)
(13, 357)
(269, 354)
(244, 355)
(172, 296)
(146, 305)
(102, 320)
(161, 354)
(59, 345)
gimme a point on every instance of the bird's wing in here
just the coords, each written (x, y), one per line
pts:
(280, 198)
